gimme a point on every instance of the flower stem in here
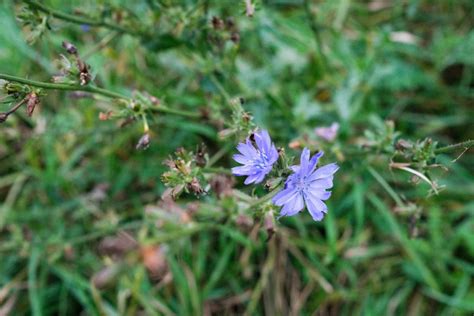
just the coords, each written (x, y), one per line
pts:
(163, 109)
(466, 144)
(78, 19)
(265, 198)
(216, 170)
(63, 86)
(95, 90)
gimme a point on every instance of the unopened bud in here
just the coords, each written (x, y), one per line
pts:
(3, 117)
(195, 187)
(70, 48)
(403, 145)
(235, 37)
(155, 100)
(217, 23)
(105, 116)
(144, 142)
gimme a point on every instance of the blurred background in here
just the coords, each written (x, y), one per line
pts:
(83, 229)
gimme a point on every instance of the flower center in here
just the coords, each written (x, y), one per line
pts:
(301, 184)
(261, 162)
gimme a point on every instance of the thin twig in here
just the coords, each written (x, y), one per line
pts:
(4, 115)
(102, 44)
(466, 145)
(79, 19)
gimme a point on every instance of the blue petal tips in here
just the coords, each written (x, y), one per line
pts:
(307, 186)
(257, 161)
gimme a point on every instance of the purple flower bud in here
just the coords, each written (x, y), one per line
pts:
(327, 133)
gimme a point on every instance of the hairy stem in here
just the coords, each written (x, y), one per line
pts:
(63, 86)
(466, 144)
(94, 90)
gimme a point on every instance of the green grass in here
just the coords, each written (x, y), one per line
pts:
(75, 192)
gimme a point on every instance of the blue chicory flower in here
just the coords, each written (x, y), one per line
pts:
(257, 161)
(307, 185)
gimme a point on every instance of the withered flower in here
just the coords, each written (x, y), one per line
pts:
(235, 37)
(195, 187)
(32, 101)
(154, 259)
(105, 116)
(200, 157)
(222, 185)
(217, 23)
(84, 74)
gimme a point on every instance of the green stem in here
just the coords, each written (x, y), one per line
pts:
(315, 30)
(92, 89)
(466, 144)
(163, 109)
(102, 44)
(221, 89)
(218, 155)
(387, 187)
(216, 170)
(78, 19)
(265, 198)
(63, 86)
